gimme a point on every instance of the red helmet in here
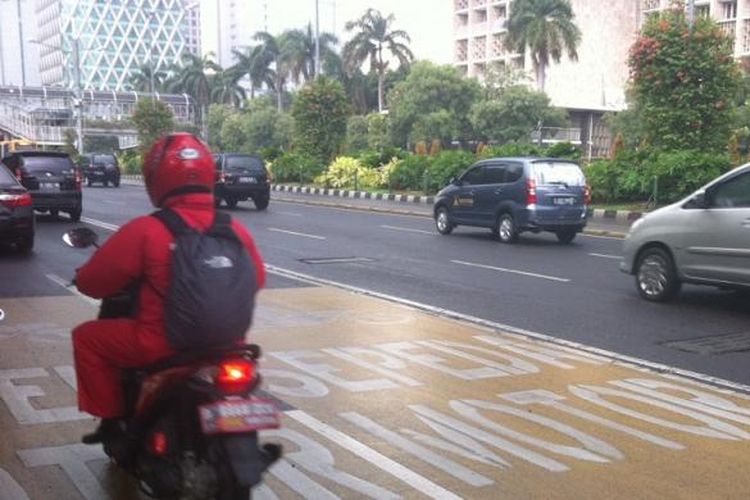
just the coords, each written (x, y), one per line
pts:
(178, 163)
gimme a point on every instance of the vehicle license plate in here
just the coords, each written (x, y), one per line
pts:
(241, 415)
(248, 180)
(563, 201)
(49, 186)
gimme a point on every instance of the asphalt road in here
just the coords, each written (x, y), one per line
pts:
(571, 292)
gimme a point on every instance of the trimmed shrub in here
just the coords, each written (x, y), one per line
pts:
(445, 166)
(512, 149)
(348, 172)
(409, 172)
(296, 167)
(376, 158)
(356, 133)
(563, 150)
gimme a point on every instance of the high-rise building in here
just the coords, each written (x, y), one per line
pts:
(232, 26)
(113, 38)
(19, 58)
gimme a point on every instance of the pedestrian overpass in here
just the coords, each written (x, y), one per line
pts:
(42, 115)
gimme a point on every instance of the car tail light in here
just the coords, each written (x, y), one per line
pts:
(587, 195)
(15, 200)
(531, 198)
(235, 376)
(159, 444)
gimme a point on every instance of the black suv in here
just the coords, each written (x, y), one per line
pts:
(512, 195)
(16, 213)
(239, 177)
(98, 167)
(52, 179)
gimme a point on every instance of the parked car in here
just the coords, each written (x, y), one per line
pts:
(703, 239)
(513, 195)
(240, 177)
(51, 178)
(102, 168)
(16, 213)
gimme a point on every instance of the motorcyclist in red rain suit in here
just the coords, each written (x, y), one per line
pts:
(179, 173)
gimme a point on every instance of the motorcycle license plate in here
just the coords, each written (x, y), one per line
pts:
(241, 415)
(248, 180)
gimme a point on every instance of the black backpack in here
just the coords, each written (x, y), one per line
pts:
(211, 294)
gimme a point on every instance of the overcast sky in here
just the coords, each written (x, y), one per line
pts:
(428, 22)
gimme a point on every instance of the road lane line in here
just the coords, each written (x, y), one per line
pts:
(408, 476)
(577, 347)
(294, 233)
(407, 229)
(101, 224)
(72, 289)
(599, 236)
(512, 271)
(291, 214)
(606, 256)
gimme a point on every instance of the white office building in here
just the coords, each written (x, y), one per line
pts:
(19, 58)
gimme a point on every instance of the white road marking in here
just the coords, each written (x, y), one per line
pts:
(700, 379)
(619, 238)
(606, 256)
(291, 214)
(72, 289)
(408, 476)
(101, 224)
(294, 233)
(512, 271)
(407, 229)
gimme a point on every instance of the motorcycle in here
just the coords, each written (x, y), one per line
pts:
(192, 420)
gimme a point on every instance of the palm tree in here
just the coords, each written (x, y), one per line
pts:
(142, 79)
(298, 51)
(256, 68)
(547, 29)
(374, 34)
(194, 78)
(225, 87)
(269, 52)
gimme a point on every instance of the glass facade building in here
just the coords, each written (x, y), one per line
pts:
(114, 37)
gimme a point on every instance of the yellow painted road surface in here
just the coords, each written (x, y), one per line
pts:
(385, 401)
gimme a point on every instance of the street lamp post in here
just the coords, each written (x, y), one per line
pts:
(20, 39)
(317, 38)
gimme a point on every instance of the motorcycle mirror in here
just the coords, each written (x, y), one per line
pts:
(80, 237)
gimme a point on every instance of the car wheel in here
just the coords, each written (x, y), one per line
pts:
(231, 202)
(261, 202)
(116, 182)
(505, 229)
(25, 245)
(88, 182)
(655, 275)
(565, 236)
(75, 215)
(105, 183)
(443, 221)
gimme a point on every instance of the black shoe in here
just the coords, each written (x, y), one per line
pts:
(108, 427)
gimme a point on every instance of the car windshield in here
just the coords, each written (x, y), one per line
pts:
(55, 164)
(563, 173)
(243, 163)
(104, 159)
(7, 180)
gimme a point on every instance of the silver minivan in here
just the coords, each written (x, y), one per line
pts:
(703, 239)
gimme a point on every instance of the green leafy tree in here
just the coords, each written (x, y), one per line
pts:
(251, 63)
(152, 119)
(141, 79)
(356, 133)
(70, 136)
(373, 34)
(436, 126)
(233, 136)
(429, 89)
(684, 81)
(269, 53)
(514, 115)
(266, 128)
(217, 115)
(378, 131)
(225, 87)
(547, 29)
(320, 111)
(298, 52)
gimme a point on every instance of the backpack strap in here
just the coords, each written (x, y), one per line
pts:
(172, 220)
(222, 227)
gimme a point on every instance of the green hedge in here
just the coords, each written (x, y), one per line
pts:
(295, 167)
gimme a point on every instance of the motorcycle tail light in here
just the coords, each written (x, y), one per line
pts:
(159, 443)
(235, 376)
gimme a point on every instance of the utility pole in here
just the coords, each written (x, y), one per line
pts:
(79, 93)
(317, 38)
(20, 39)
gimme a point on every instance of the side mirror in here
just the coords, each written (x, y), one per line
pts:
(80, 237)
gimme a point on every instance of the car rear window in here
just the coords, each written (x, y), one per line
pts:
(104, 159)
(55, 164)
(6, 178)
(243, 163)
(549, 172)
